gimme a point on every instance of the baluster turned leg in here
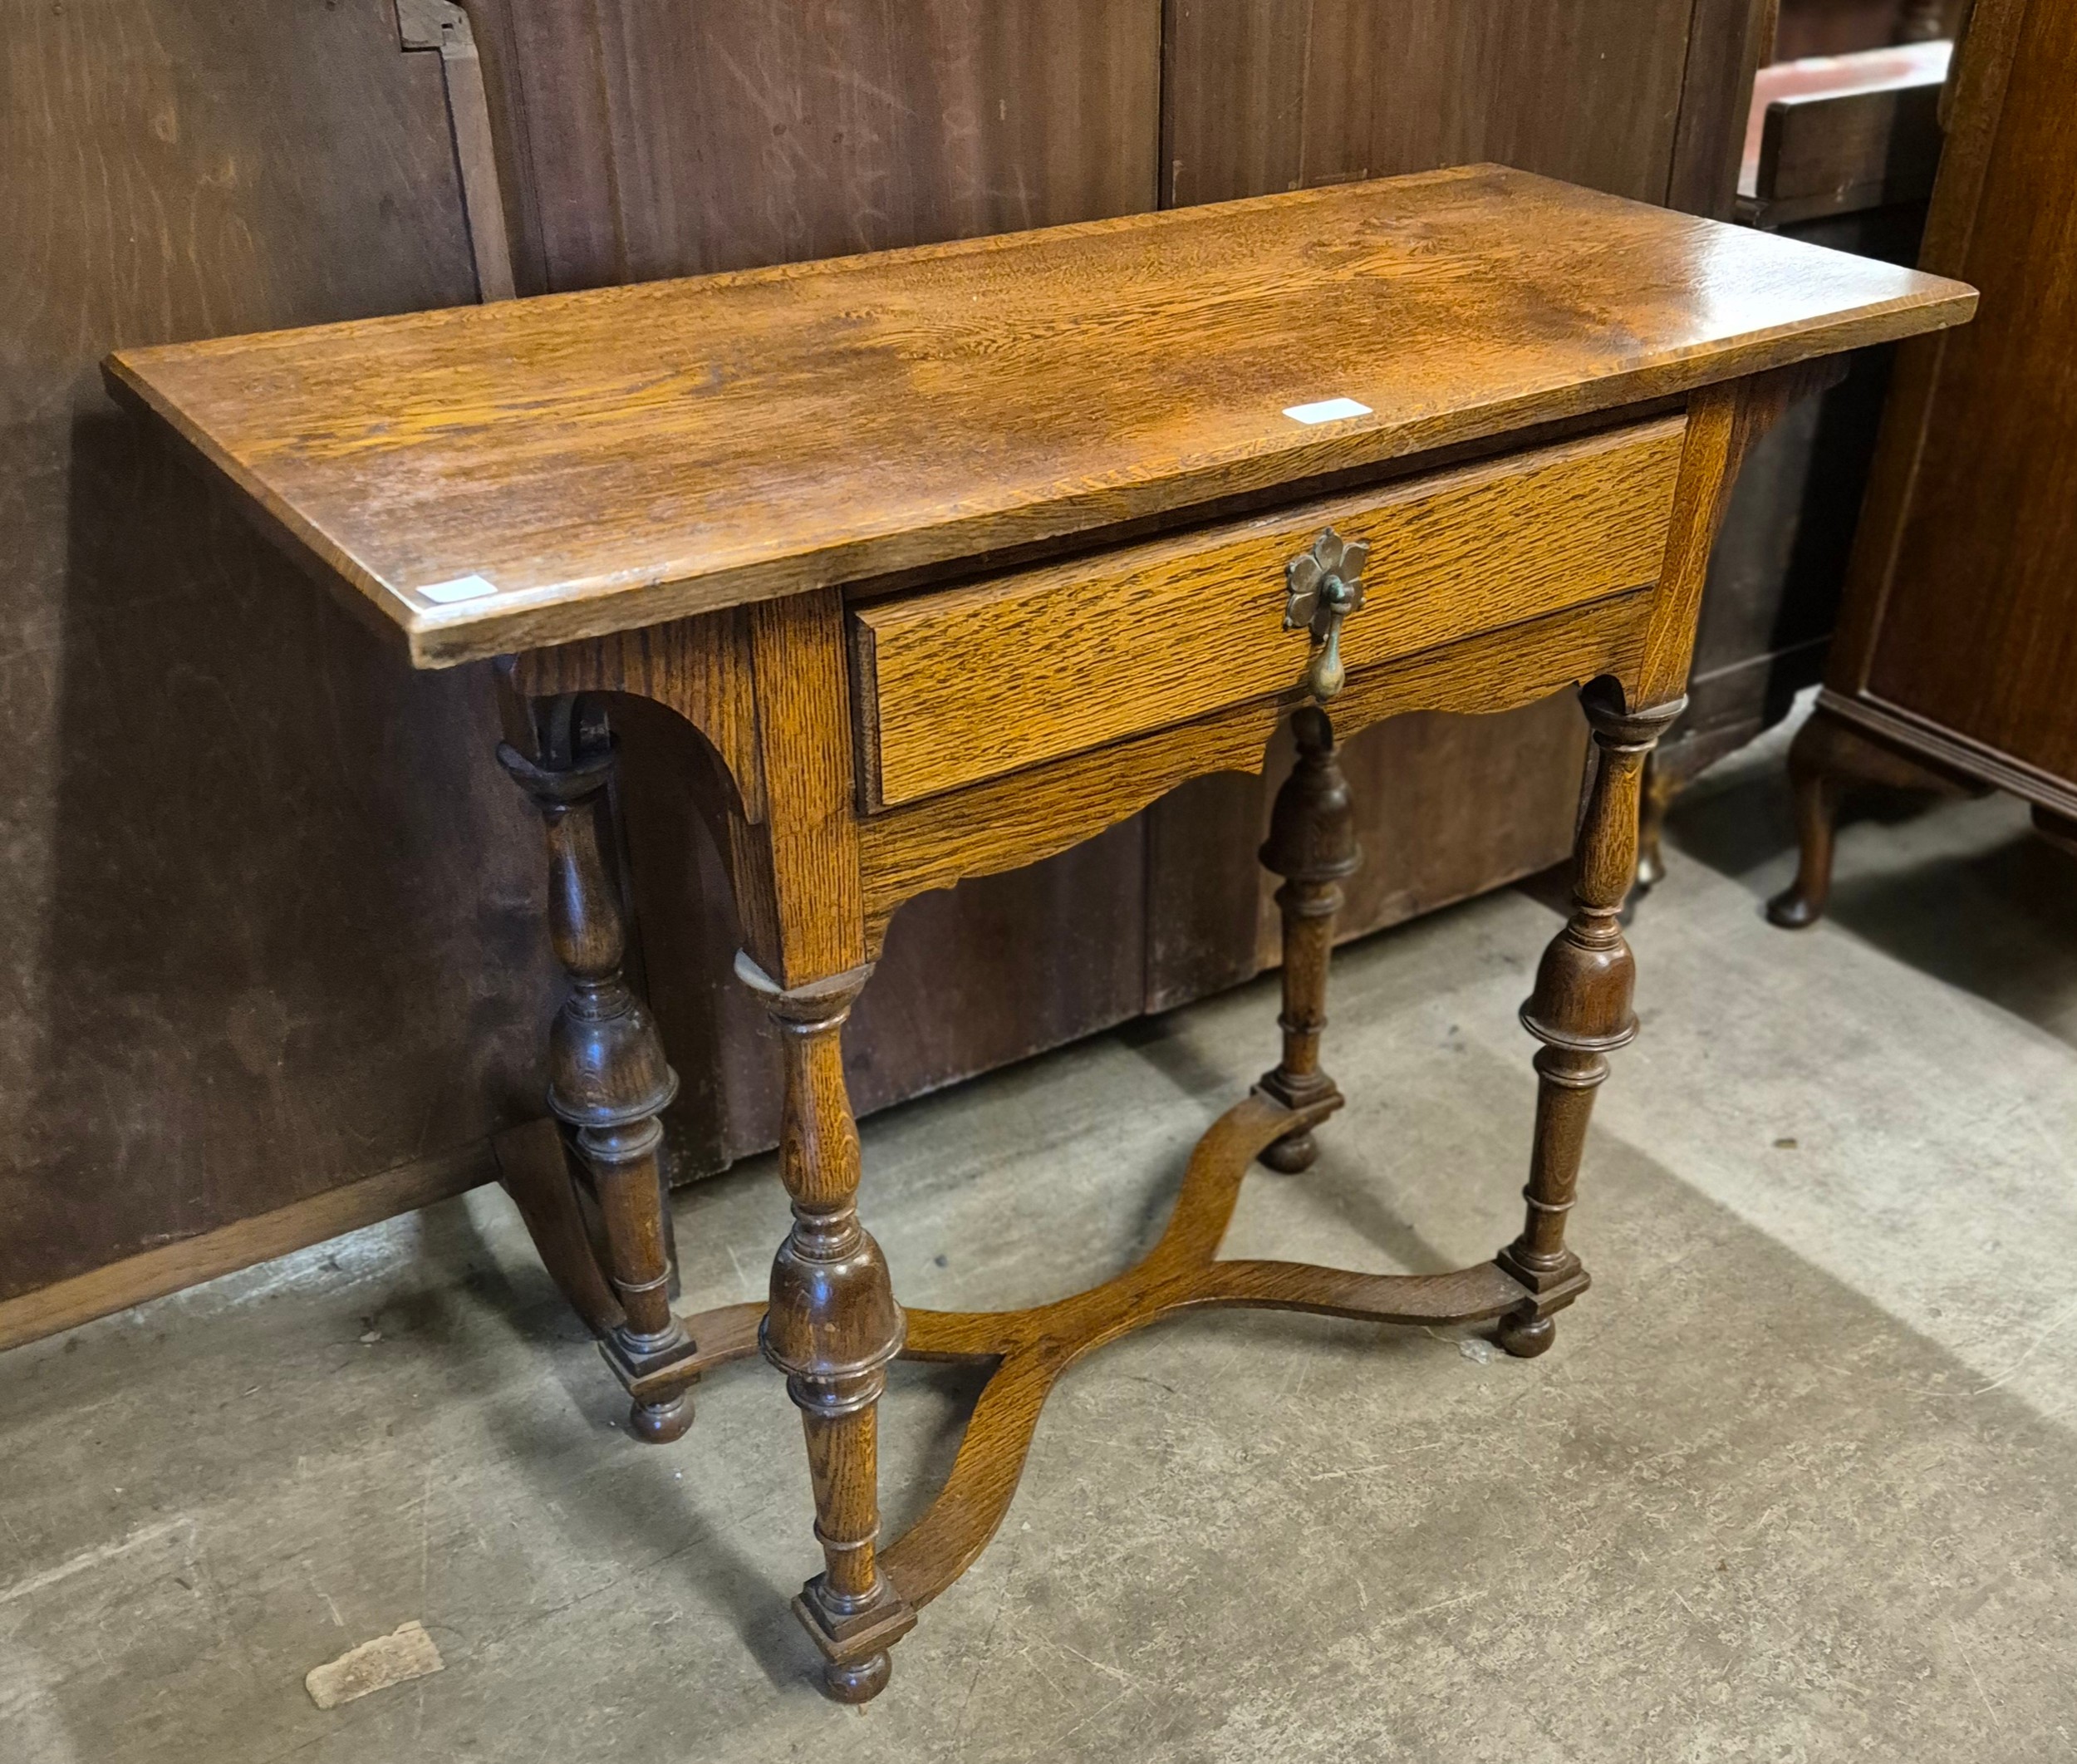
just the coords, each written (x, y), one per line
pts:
(1311, 844)
(1580, 1009)
(608, 1077)
(831, 1327)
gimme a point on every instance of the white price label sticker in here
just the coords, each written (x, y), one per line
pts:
(460, 587)
(1327, 410)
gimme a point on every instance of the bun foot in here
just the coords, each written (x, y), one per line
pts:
(658, 1423)
(857, 1681)
(1294, 1152)
(1793, 910)
(1526, 1337)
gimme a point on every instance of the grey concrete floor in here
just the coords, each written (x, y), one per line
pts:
(1796, 1483)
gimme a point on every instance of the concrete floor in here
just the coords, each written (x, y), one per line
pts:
(1796, 1483)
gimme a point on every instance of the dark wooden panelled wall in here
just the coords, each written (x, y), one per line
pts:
(262, 983)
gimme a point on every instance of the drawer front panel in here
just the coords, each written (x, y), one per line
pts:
(991, 676)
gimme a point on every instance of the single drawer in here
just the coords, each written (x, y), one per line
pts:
(993, 676)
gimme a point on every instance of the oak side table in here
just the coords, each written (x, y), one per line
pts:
(956, 556)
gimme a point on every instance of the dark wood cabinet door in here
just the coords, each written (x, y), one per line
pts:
(1957, 642)
(1976, 633)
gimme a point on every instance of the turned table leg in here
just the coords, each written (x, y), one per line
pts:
(607, 1077)
(831, 1327)
(1311, 844)
(1579, 1010)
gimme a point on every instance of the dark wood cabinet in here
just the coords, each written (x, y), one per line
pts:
(1957, 647)
(1841, 151)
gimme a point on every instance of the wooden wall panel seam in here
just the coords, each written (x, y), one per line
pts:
(1702, 174)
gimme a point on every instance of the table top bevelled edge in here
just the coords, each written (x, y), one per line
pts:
(296, 421)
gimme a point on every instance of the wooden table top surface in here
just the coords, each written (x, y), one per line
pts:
(578, 464)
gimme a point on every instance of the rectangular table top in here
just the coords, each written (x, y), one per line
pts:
(499, 477)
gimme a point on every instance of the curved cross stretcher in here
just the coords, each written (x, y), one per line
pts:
(1029, 1350)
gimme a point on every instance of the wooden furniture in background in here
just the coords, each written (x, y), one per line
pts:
(1843, 134)
(1840, 150)
(292, 165)
(1812, 28)
(1958, 648)
(1354, 446)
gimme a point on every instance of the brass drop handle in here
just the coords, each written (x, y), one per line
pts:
(1321, 588)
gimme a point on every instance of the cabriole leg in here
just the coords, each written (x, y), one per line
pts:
(1812, 775)
(1829, 756)
(607, 1077)
(1579, 1010)
(831, 1327)
(1312, 845)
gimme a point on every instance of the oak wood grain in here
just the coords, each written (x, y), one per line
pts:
(1725, 424)
(700, 667)
(608, 1080)
(1580, 1008)
(622, 457)
(640, 140)
(1002, 822)
(1027, 1350)
(1312, 846)
(800, 899)
(1707, 468)
(1447, 807)
(1639, 98)
(983, 679)
(1457, 294)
